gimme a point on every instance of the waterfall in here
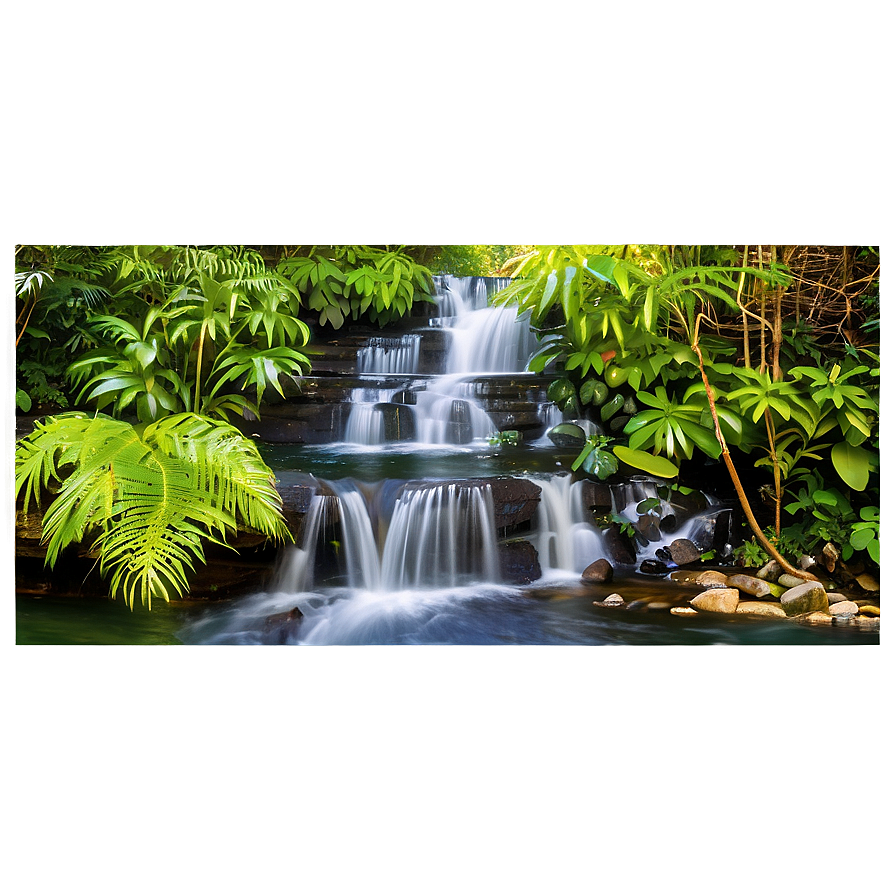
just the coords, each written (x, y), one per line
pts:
(296, 572)
(566, 539)
(359, 552)
(484, 339)
(384, 355)
(441, 535)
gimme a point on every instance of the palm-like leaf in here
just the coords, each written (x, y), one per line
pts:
(151, 499)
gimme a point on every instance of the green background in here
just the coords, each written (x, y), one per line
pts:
(617, 771)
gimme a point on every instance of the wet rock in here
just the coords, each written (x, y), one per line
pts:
(598, 572)
(808, 597)
(835, 597)
(281, 626)
(761, 608)
(596, 495)
(653, 568)
(406, 396)
(755, 586)
(868, 622)
(519, 562)
(717, 600)
(567, 435)
(843, 608)
(515, 500)
(618, 546)
(711, 578)
(649, 526)
(870, 610)
(770, 571)
(684, 551)
(659, 606)
(683, 611)
(868, 583)
(614, 600)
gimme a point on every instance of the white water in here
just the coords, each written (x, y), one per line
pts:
(566, 538)
(484, 340)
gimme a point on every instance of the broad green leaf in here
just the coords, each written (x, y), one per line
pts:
(853, 464)
(642, 460)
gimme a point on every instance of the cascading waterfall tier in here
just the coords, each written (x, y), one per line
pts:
(436, 534)
(444, 410)
(566, 538)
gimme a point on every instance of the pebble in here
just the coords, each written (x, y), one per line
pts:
(869, 610)
(843, 608)
(789, 581)
(614, 600)
(834, 597)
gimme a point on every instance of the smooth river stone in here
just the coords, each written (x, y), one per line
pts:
(870, 610)
(789, 581)
(868, 583)
(843, 608)
(755, 586)
(717, 600)
(683, 611)
(760, 608)
(711, 578)
(818, 618)
(808, 597)
(770, 571)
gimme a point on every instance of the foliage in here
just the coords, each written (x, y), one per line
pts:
(595, 460)
(145, 498)
(508, 437)
(475, 261)
(354, 281)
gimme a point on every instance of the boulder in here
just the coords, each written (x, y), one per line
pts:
(761, 608)
(717, 600)
(567, 435)
(683, 551)
(808, 597)
(519, 562)
(598, 572)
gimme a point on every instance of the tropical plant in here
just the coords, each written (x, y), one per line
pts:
(145, 499)
(342, 282)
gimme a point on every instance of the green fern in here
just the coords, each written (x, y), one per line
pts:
(148, 497)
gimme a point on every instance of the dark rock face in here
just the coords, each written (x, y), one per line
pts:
(519, 562)
(683, 551)
(281, 626)
(598, 572)
(596, 496)
(398, 422)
